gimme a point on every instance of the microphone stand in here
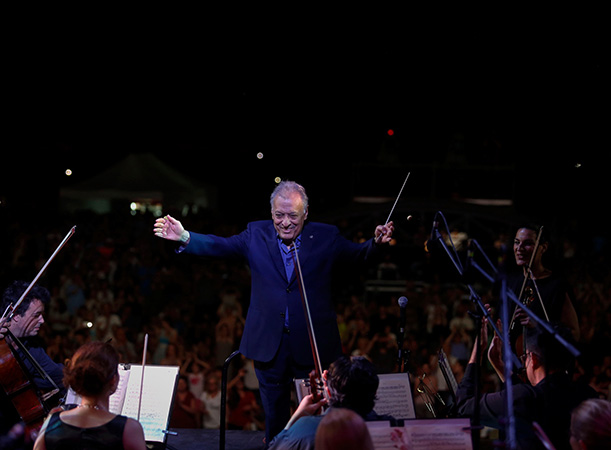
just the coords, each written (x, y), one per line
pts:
(222, 428)
(473, 295)
(508, 355)
(436, 236)
(402, 356)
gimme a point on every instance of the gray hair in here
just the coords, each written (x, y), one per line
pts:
(285, 188)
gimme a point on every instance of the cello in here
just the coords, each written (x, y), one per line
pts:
(17, 382)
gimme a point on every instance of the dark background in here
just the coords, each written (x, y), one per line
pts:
(484, 107)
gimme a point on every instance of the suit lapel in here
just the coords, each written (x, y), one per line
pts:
(305, 248)
(274, 252)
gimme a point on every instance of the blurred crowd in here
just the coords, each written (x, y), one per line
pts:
(114, 281)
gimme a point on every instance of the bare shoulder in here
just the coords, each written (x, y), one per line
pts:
(133, 435)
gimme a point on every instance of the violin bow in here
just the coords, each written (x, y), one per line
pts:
(10, 311)
(529, 275)
(146, 340)
(312, 335)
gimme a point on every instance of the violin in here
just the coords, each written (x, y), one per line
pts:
(527, 298)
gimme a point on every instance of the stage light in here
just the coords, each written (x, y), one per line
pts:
(390, 132)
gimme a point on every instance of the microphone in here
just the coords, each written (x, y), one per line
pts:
(402, 320)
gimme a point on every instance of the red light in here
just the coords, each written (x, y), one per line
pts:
(390, 132)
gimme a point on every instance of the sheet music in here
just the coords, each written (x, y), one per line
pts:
(447, 434)
(394, 396)
(157, 396)
(115, 401)
(159, 388)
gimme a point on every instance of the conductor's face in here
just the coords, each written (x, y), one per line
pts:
(289, 216)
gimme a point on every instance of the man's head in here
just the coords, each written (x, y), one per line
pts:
(545, 354)
(289, 204)
(352, 382)
(28, 317)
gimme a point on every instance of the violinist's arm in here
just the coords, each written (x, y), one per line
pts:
(307, 407)
(495, 354)
(3, 327)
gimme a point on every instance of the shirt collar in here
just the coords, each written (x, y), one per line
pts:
(285, 248)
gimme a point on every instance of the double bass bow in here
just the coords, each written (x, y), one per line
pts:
(15, 379)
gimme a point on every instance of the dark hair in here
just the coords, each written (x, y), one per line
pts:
(92, 368)
(545, 235)
(13, 293)
(353, 383)
(553, 354)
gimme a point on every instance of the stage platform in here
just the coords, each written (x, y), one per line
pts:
(198, 439)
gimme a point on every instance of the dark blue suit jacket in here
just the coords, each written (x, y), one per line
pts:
(322, 247)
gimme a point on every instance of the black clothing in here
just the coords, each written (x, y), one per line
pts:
(60, 435)
(549, 403)
(553, 290)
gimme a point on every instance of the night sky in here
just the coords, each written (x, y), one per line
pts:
(315, 104)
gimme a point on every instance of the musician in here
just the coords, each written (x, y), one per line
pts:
(350, 383)
(275, 334)
(591, 425)
(24, 325)
(556, 294)
(547, 398)
(343, 429)
(93, 375)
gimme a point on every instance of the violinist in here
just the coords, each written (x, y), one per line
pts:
(23, 326)
(351, 382)
(547, 294)
(547, 398)
(276, 332)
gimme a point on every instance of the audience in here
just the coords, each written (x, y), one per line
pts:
(122, 285)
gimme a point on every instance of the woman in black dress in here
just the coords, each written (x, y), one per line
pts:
(92, 373)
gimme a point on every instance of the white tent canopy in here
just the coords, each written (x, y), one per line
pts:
(139, 177)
